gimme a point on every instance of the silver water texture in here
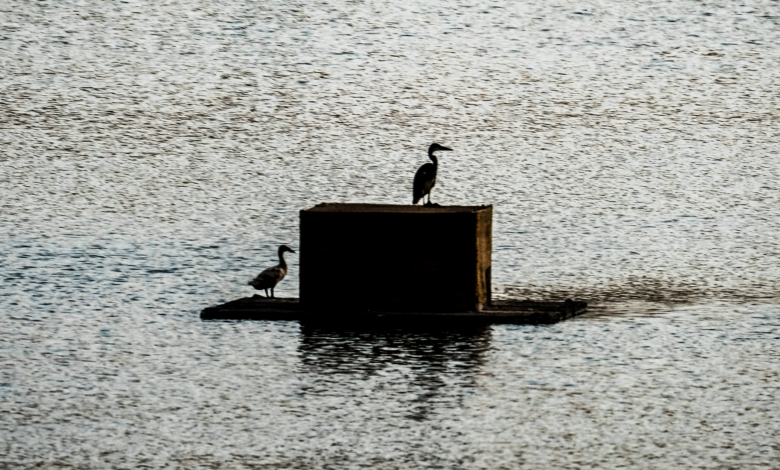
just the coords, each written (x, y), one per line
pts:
(154, 154)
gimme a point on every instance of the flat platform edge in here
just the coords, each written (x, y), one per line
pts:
(509, 312)
(373, 208)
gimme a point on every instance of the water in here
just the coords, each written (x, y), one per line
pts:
(154, 155)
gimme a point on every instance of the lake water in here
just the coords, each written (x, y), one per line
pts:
(153, 155)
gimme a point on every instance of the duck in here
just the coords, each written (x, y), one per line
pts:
(269, 278)
(425, 178)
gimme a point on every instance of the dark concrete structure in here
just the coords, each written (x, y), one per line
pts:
(395, 258)
(378, 264)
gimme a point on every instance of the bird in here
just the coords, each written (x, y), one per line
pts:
(425, 178)
(269, 278)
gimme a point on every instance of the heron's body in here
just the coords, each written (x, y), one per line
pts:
(424, 181)
(425, 178)
(269, 278)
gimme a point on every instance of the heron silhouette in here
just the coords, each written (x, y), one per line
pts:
(425, 178)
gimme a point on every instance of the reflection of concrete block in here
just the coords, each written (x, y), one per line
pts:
(375, 257)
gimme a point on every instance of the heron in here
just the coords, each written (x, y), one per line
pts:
(269, 278)
(425, 178)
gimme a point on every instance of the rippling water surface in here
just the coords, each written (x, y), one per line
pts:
(154, 154)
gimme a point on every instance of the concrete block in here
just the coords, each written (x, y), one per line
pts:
(400, 258)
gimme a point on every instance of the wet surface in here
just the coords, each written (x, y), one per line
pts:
(154, 155)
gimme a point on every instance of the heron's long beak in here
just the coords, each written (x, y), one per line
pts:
(445, 148)
(291, 251)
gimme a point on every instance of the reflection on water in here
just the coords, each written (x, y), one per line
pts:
(429, 365)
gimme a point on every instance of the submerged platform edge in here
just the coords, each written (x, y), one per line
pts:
(503, 311)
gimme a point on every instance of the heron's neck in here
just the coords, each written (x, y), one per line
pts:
(433, 158)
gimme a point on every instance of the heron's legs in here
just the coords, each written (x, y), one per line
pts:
(272, 293)
(266, 293)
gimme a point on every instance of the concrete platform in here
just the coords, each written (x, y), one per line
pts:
(505, 311)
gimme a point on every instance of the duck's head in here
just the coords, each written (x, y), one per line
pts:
(284, 249)
(434, 147)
